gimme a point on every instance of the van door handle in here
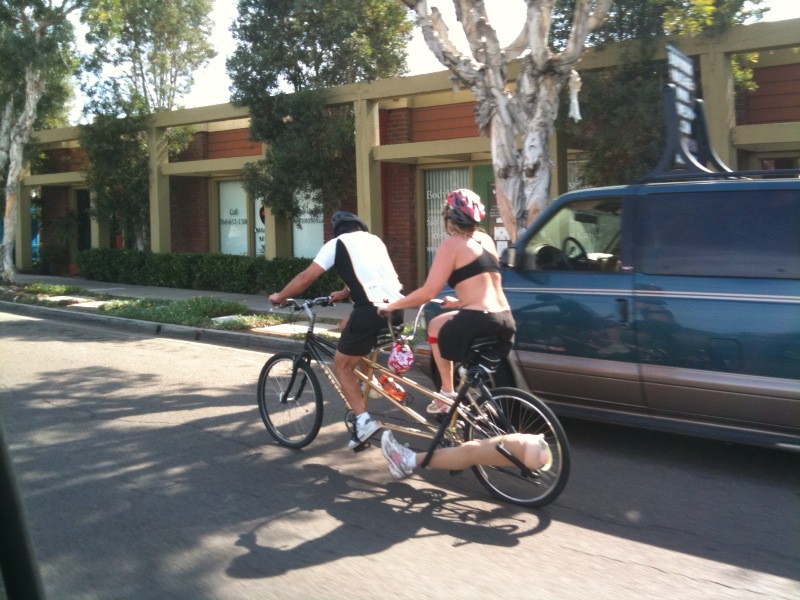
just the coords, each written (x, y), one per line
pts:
(622, 310)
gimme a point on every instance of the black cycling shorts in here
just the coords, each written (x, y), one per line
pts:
(455, 336)
(362, 328)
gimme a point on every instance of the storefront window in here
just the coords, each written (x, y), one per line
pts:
(308, 233)
(438, 183)
(233, 218)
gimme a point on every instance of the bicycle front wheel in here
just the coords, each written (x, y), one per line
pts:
(515, 411)
(290, 400)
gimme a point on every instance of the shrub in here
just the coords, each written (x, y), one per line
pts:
(209, 271)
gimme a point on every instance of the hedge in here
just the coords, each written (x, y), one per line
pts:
(214, 272)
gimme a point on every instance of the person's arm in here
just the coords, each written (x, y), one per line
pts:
(298, 284)
(441, 269)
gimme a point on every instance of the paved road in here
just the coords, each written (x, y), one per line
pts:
(147, 473)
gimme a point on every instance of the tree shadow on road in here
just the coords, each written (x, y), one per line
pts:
(371, 518)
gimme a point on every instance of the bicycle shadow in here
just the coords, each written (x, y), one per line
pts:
(371, 519)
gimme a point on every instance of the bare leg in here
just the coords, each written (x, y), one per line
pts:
(445, 366)
(343, 366)
(530, 449)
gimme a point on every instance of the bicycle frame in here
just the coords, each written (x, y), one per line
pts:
(322, 350)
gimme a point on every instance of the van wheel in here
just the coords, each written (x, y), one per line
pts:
(503, 377)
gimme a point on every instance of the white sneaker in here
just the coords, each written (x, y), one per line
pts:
(398, 456)
(363, 432)
(437, 406)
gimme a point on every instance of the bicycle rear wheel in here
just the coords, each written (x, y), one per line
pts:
(522, 412)
(290, 400)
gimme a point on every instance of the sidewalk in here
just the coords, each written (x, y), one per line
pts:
(255, 302)
(275, 337)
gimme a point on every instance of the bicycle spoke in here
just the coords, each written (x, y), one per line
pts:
(521, 412)
(290, 401)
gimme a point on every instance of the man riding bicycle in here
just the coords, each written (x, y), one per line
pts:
(362, 261)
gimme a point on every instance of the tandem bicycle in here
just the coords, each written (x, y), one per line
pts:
(291, 405)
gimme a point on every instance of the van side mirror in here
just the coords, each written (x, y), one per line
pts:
(508, 258)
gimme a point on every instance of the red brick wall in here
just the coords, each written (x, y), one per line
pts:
(235, 142)
(220, 144)
(777, 99)
(399, 205)
(189, 214)
(444, 122)
(64, 160)
(197, 150)
(55, 205)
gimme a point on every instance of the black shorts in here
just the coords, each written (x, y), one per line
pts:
(362, 328)
(457, 334)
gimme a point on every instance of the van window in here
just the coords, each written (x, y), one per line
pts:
(719, 233)
(584, 235)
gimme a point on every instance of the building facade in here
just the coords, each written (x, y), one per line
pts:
(416, 139)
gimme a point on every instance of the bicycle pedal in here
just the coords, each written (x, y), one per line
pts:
(362, 446)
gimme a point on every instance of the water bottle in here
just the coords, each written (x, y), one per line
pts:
(392, 387)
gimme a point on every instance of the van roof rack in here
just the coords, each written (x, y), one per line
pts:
(685, 175)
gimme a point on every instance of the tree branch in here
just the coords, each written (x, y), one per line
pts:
(434, 31)
(583, 23)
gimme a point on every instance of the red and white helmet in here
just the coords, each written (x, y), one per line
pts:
(464, 207)
(401, 357)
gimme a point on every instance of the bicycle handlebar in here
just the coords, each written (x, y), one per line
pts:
(306, 305)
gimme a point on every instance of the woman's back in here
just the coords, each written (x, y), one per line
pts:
(475, 272)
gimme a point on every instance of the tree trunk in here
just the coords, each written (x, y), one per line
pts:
(19, 136)
(537, 162)
(507, 176)
(5, 133)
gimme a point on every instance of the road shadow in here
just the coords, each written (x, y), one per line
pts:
(371, 519)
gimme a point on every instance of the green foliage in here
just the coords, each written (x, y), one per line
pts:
(195, 312)
(218, 272)
(622, 131)
(50, 289)
(37, 52)
(645, 19)
(307, 46)
(311, 155)
(312, 44)
(117, 173)
(709, 17)
(147, 51)
(153, 48)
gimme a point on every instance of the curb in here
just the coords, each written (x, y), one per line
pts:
(181, 332)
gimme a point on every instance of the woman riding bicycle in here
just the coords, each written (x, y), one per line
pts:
(467, 261)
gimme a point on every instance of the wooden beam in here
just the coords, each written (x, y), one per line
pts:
(458, 149)
(767, 137)
(208, 167)
(68, 178)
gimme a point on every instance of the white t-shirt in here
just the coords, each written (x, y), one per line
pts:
(363, 263)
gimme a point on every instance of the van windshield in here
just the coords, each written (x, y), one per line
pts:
(584, 235)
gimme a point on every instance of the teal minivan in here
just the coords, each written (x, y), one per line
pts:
(672, 305)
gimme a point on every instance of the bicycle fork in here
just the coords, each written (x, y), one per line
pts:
(285, 394)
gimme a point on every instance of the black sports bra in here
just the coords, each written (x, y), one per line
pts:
(485, 263)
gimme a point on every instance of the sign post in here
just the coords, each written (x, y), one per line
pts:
(688, 148)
